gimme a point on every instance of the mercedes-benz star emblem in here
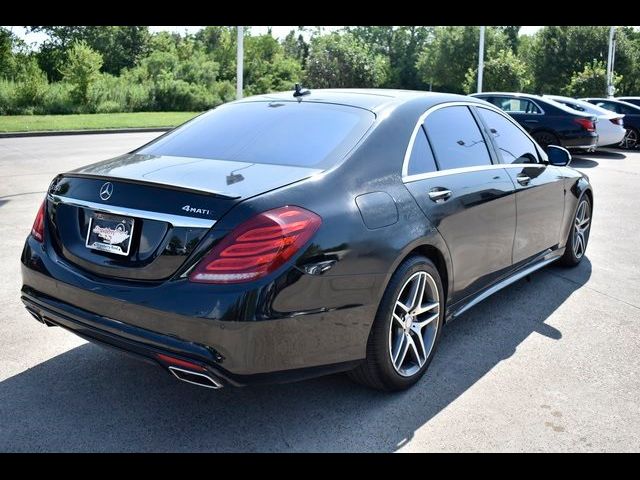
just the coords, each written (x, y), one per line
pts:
(106, 191)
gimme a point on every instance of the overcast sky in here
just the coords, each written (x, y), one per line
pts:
(277, 31)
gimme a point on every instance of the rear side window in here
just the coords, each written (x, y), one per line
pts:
(305, 134)
(516, 105)
(456, 139)
(421, 160)
(513, 145)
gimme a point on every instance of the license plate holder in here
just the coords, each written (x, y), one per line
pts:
(110, 233)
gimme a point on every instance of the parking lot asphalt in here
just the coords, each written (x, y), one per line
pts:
(550, 364)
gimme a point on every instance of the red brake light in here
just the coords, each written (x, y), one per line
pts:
(586, 123)
(617, 120)
(258, 246)
(37, 230)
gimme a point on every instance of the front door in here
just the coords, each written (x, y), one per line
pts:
(539, 187)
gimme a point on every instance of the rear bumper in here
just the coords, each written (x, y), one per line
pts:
(240, 336)
(147, 346)
(582, 141)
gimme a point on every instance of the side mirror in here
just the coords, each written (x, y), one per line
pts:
(558, 156)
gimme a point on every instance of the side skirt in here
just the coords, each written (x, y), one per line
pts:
(543, 260)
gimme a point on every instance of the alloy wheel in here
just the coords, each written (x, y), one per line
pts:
(581, 228)
(414, 324)
(630, 139)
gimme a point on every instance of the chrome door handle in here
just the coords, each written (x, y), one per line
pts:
(523, 179)
(439, 194)
(531, 121)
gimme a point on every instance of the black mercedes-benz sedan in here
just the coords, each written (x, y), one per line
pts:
(286, 236)
(547, 121)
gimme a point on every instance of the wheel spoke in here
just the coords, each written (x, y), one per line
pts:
(426, 307)
(415, 349)
(421, 324)
(401, 353)
(416, 290)
(402, 306)
(399, 319)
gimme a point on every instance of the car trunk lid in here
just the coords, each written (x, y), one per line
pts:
(148, 213)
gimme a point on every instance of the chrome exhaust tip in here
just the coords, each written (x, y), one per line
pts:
(196, 378)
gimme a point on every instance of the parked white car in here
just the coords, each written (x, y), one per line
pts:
(610, 125)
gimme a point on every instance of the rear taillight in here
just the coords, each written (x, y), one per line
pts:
(586, 123)
(617, 120)
(37, 230)
(258, 246)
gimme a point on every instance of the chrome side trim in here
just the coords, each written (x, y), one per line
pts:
(214, 383)
(477, 168)
(175, 220)
(407, 154)
(504, 283)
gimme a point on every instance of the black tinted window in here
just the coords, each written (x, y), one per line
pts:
(421, 160)
(456, 138)
(285, 133)
(516, 105)
(513, 145)
(627, 110)
(608, 105)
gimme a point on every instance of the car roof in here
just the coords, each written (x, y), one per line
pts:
(614, 100)
(512, 94)
(373, 99)
(601, 111)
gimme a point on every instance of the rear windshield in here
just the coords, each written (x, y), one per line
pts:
(295, 133)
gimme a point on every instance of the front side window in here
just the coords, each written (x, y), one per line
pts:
(421, 160)
(456, 138)
(513, 145)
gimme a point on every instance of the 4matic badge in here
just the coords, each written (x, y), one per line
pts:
(201, 211)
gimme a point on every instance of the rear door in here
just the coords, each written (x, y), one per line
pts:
(539, 187)
(468, 198)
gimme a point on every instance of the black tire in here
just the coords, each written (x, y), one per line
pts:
(570, 258)
(631, 139)
(545, 139)
(378, 371)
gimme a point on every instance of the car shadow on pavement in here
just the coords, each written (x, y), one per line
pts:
(93, 399)
(578, 162)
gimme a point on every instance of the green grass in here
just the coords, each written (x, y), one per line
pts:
(32, 123)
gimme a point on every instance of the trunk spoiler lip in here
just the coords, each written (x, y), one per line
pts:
(114, 178)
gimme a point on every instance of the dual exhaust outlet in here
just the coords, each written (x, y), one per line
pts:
(189, 372)
(196, 378)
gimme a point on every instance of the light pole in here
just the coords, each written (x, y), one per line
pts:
(610, 61)
(480, 59)
(239, 62)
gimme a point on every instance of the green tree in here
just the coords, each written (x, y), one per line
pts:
(591, 81)
(267, 68)
(445, 61)
(120, 46)
(340, 60)
(81, 69)
(220, 43)
(401, 47)
(296, 47)
(503, 72)
(556, 53)
(31, 83)
(7, 59)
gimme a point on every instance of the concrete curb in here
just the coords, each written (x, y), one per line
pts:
(82, 132)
